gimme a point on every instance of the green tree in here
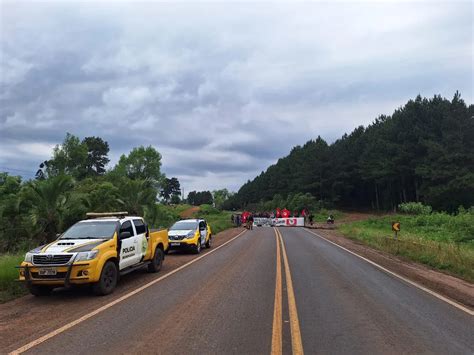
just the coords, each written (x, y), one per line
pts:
(197, 198)
(136, 195)
(48, 203)
(69, 158)
(142, 163)
(11, 226)
(220, 197)
(171, 189)
(97, 150)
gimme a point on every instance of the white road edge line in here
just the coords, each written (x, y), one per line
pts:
(118, 300)
(413, 283)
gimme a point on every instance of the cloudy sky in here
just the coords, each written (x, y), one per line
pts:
(222, 91)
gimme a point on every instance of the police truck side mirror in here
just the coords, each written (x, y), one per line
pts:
(124, 235)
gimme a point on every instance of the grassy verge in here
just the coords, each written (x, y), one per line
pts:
(439, 240)
(9, 288)
(322, 215)
(218, 220)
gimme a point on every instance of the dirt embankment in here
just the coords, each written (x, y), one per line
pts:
(189, 213)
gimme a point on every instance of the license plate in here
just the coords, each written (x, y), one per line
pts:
(47, 272)
(175, 244)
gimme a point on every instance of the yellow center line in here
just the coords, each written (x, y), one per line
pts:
(296, 343)
(277, 309)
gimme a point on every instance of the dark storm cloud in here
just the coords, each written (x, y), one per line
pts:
(222, 91)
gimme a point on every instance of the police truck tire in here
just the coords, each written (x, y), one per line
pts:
(209, 242)
(40, 290)
(157, 261)
(108, 279)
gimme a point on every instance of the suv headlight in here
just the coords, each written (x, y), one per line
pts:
(86, 255)
(190, 235)
(29, 255)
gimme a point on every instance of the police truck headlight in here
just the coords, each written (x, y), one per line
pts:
(29, 255)
(86, 255)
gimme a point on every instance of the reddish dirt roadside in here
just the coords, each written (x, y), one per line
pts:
(454, 288)
(189, 212)
(27, 318)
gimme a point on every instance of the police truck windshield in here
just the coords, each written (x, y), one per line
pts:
(91, 230)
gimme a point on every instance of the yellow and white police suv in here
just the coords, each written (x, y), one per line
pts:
(190, 234)
(94, 251)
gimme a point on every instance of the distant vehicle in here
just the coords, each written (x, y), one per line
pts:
(190, 234)
(95, 251)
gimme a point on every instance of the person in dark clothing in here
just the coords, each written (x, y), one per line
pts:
(330, 219)
(250, 222)
(311, 218)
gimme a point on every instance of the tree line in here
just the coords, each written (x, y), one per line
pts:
(423, 152)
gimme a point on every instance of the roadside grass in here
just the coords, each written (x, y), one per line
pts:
(321, 215)
(442, 241)
(218, 220)
(9, 288)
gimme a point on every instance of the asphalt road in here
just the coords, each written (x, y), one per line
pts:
(317, 298)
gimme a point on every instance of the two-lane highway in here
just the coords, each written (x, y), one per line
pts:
(273, 291)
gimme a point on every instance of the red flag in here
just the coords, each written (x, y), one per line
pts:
(285, 213)
(278, 212)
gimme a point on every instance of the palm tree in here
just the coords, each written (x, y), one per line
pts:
(48, 202)
(135, 195)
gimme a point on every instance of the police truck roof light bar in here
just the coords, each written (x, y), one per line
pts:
(91, 215)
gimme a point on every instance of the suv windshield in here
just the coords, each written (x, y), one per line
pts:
(184, 225)
(91, 230)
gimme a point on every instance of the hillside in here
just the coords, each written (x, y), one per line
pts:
(423, 152)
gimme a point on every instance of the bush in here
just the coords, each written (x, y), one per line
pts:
(207, 210)
(160, 216)
(415, 208)
(9, 287)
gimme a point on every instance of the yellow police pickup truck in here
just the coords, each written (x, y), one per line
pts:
(190, 234)
(95, 251)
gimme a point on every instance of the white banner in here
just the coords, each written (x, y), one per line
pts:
(259, 221)
(289, 222)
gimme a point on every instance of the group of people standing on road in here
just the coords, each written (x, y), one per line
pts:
(239, 220)
(246, 219)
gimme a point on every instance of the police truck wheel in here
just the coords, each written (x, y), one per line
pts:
(108, 279)
(209, 242)
(157, 261)
(40, 290)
